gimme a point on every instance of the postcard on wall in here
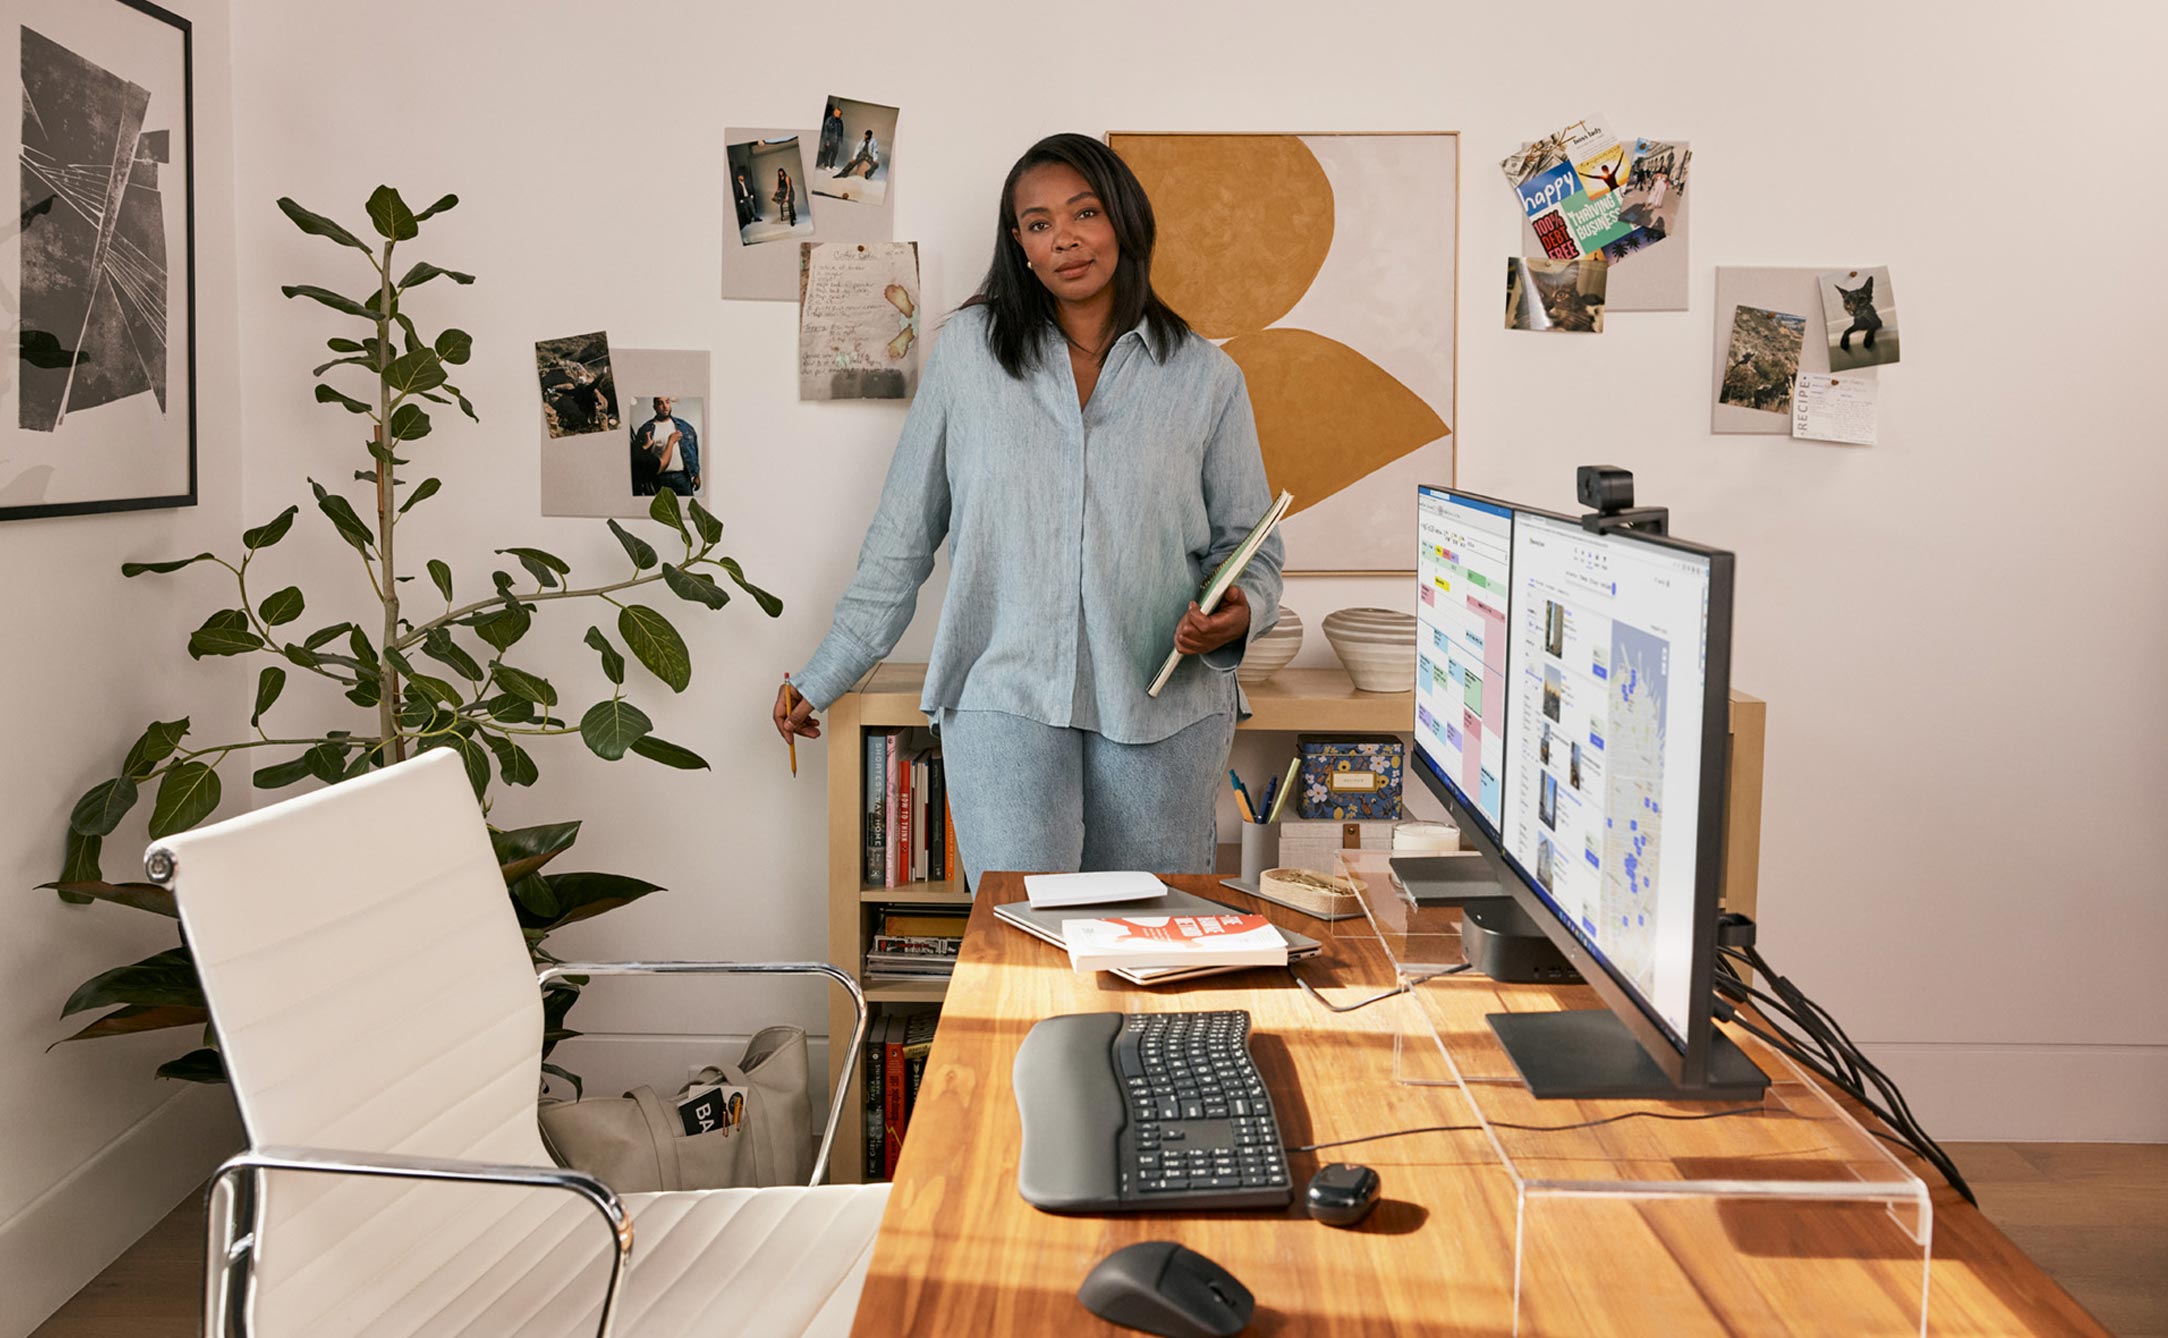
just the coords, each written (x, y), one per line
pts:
(1763, 360)
(768, 188)
(579, 394)
(1835, 408)
(1597, 156)
(856, 153)
(1860, 309)
(661, 442)
(858, 321)
(1559, 295)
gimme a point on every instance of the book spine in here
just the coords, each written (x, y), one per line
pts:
(914, 1069)
(918, 820)
(876, 830)
(892, 799)
(903, 819)
(936, 819)
(876, 1108)
(955, 860)
(892, 1098)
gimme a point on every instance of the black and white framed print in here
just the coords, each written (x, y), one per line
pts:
(98, 413)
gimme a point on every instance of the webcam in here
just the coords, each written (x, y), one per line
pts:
(1609, 493)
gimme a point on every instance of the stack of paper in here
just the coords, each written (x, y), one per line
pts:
(1098, 888)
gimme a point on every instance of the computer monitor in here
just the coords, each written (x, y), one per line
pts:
(1597, 781)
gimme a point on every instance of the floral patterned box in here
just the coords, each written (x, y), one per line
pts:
(1350, 775)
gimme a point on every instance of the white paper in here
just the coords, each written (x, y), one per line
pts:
(1834, 408)
(1102, 888)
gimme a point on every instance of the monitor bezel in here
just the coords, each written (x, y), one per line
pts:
(1686, 1062)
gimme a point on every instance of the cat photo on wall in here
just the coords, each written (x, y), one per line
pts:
(1859, 309)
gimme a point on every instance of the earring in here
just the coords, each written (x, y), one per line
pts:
(1027, 264)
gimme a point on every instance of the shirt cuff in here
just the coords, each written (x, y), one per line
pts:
(837, 663)
(1228, 658)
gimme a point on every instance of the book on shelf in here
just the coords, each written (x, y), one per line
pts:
(1132, 942)
(909, 832)
(924, 921)
(876, 1072)
(936, 818)
(876, 807)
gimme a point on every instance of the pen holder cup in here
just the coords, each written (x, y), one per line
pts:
(1260, 850)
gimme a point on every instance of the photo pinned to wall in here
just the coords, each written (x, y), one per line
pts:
(579, 392)
(101, 412)
(768, 188)
(1625, 215)
(858, 321)
(1556, 295)
(857, 149)
(765, 273)
(1860, 308)
(665, 442)
(1745, 399)
(1763, 360)
(661, 442)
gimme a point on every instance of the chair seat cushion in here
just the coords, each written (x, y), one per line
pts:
(749, 1261)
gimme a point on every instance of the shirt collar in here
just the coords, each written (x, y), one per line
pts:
(1142, 333)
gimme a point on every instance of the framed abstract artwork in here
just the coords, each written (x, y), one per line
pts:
(98, 411)
(1326, 266)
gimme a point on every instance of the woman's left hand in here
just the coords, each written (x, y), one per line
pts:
(1199, 632)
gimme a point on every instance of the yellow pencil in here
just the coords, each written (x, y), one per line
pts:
(790, 703)
(1244, 805)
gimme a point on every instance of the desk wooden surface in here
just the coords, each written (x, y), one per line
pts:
(960, 1253)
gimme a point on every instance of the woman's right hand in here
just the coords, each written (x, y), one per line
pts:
(794, 719)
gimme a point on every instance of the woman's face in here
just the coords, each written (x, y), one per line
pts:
(1064, 230)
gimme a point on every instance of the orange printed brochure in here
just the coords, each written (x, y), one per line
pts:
(1137, 941)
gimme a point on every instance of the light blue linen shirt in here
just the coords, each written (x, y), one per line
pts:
(1077, 537)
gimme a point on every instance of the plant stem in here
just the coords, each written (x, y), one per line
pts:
(387, 518)
(453, 615)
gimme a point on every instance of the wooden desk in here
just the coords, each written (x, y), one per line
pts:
(962, 1256)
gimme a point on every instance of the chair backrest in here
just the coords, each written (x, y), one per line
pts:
(365, 970)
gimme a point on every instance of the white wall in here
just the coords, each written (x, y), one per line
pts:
(96, 1150)
(1958, 631)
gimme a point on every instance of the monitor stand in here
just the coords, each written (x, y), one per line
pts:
(1588, 1054)
(1447, 880)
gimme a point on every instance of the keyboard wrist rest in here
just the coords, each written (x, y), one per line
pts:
(1071, 1106)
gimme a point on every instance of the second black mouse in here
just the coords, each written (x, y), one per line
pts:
(1160, 1287)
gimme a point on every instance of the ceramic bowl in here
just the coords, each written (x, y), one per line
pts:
(1376, 645)
(1270, 653)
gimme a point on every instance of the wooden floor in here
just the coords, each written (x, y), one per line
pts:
(2094, 1215)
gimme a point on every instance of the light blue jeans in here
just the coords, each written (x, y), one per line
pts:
(1038, 799)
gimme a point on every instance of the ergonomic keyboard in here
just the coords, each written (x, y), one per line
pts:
(1143, 1112)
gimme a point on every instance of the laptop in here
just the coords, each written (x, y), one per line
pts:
(1046, 924)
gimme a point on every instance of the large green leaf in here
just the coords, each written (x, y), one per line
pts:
(423, 491)
(613, 664)
(656, 644)
(769, 604)
(282, 774)
(520, 683)
(544, 567)
(412, 373)
(669, 754)
(282, 606)
(324, 636)
(439, 646)
(580, 896)
(142, 896)
(510, 710)
(711, 529)
(470, 753)
(665, 509)
(341, 514)
(168, 978)
(156, 745)
(100, 810)
(271, 531)
(423, 272)
(141, 1017)
(443, 203)
(409, 422)
(454, 346)
(269, 684)
(140, 568)
(326, 761)
(185, 797)
(434, 689)
(327, 395)
(316, 225)
(504, 628)
(222, 640)
(522, 850)
(636, 548)
(612, 727)
(79, 864)
(330, 299)
(204, 1066)
(391, 216)
(513, 762)
(440, 573)
(696, 586)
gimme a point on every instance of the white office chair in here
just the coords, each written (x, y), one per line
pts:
(381, 1022)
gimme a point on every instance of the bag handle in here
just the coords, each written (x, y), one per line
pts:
(662, 1130)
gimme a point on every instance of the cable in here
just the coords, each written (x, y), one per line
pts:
(1537, 1128)
(1395, 992)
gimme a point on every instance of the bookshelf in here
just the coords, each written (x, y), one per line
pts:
(1306, 700)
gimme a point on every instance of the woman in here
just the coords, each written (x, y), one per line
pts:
(831, 146)
(1090, 461)
(786, 195)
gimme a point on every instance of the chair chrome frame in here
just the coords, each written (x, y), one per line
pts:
(226, 1312)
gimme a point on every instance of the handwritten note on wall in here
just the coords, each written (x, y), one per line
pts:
(858, 319)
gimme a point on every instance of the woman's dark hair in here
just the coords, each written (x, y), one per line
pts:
(1020, 309)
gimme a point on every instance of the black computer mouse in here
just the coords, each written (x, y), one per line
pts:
(1161, 1288)
(1342, 1194)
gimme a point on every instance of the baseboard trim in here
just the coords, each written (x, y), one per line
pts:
(67, 1236)
(1973, 1092)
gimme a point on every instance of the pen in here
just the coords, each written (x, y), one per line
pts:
(1240, 789)
(790, 703)
(1272, 787)
(1287, 786)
